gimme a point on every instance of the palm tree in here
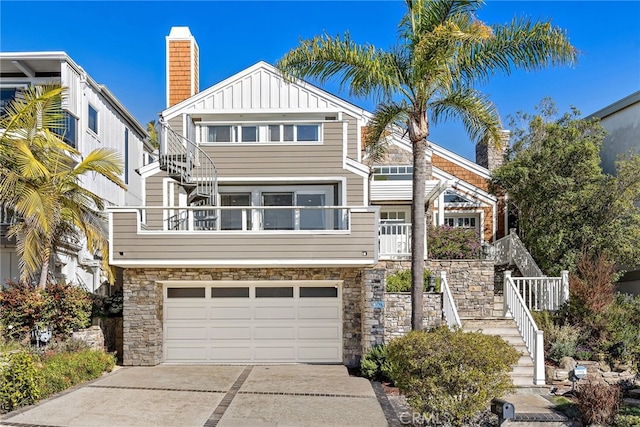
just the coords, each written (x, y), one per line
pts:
(441, 53)
(40, 181)
(152, 130)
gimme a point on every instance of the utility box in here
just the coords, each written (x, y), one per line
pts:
(503, 409)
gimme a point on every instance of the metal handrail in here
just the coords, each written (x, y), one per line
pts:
(189, 165)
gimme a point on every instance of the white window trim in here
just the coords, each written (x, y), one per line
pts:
(262, 132)
(97, 131)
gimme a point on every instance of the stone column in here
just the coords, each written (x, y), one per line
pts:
(373, 308)
(142, 320)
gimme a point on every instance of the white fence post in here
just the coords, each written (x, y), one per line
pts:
(565, 286)
(538, 360)
(505, 303)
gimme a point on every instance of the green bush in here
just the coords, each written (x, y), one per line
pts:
(374, 364)
(109, 306)
(63, 370)
(629, 416)
(563, 341)
(450, 376)
(61, 306)
(19, 383)
(453, 243)
(400, 281)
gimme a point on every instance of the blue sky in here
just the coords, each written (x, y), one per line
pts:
(122, 45)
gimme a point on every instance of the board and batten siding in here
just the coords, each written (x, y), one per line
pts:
(352, 137)
(246, 246)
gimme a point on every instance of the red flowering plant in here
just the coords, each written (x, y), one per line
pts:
(453, 243)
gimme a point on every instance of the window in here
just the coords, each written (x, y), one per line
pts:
(261, 133)
(393, 217)
(278, 219)
(185, 292)
(454, 197)
(6, 95)
(274, 292)
(392, 173)
(311, 219)
(93, 119)
(463, 222)
(126, 156)
(230, 292)
(68, 129)
(318, 292)
(235, 219)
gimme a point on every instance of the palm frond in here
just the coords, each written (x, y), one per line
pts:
(376, 138)
(522, 44)
(476, 112)
(363, 68)
(103, 161)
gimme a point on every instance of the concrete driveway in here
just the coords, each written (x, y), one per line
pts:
(212, 395)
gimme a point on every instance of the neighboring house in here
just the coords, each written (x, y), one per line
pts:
(256, 239)
(622, 122)
(94, 118)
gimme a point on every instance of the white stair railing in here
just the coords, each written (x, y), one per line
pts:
(449, 309)
(511, 250)
(543, 293)
(533, 337)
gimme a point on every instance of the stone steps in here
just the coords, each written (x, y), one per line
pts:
(523, 370)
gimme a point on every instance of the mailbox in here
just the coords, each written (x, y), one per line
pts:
(578, 373)
(503, 409)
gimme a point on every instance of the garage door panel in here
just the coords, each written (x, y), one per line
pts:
(229, 353)
(185, 352)
(276, 352)
(319, 332)
(221, 332)
(274, 332)
(318, 354)
(315, 312)
(275, 312)
(186, 332)
(186, 313)
(231, 312)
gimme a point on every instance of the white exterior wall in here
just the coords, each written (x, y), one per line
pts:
(624, 135)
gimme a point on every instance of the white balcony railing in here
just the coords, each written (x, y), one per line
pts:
(245, 219)
(511, 250)
(395, 240)
(533, 337)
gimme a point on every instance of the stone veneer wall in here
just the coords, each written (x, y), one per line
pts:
(397, 321)
(471, 283)
(142, 326)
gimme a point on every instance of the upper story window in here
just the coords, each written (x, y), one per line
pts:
(93, 119)
(6, 95)
(463, 222)
(261, 133)
(392, 173)
(68, 129)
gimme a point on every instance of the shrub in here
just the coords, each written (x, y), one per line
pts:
(563, 341)
(19, 383)
(453, 243)
(110, 306)
(61, 306)
(450, 376)
(593, 284)
(598, 403)
(400, 281)
(63, 370)
(629, 416)
(374, 364)
(69, 307)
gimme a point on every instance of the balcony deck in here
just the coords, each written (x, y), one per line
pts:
(252, 236)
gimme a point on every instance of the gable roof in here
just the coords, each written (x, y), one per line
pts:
(262, 88)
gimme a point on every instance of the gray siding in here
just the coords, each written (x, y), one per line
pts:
(176, 124)
(246, 246)
(273, 160)
(352, 137)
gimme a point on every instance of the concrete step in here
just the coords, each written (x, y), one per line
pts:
(527, 370)
(522, 379)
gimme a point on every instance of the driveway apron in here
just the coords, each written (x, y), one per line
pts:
(212, 395)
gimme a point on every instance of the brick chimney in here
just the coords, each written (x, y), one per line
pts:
(492, 157)
(182, 65)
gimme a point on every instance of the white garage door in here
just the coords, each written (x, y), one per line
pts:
(252, 322)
